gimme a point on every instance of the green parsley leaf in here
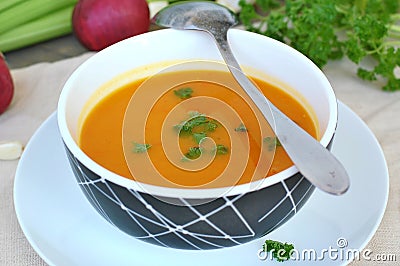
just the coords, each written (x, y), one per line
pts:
(366, 74)
(241, 128)
(211, 125)
(280, 251)
(194, 122)
(200, 122)
(184, 93)
(199, 136)
(193, 153)
(221, 149)
(272, 143)
(140, 148)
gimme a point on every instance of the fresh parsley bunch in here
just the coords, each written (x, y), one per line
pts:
(280, 251)
(324, 30)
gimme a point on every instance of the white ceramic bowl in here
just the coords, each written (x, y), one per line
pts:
(229, 217)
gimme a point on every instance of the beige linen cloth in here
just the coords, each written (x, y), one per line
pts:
(37, 89)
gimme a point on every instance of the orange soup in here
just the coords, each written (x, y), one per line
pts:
(188, 133)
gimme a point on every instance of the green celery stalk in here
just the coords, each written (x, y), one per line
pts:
(4, 4)
(47, 27)
(30, 10)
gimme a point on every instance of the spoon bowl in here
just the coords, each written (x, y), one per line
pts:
(196, 16)
(313, 160)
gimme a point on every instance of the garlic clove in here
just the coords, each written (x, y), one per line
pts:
(10, 150)
(156, 6)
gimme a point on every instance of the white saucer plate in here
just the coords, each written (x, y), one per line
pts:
(64, 229)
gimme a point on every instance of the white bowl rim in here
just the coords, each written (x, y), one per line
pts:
(188, 193)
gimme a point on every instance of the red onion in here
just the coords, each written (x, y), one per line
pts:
(6, 85)
(100, 23)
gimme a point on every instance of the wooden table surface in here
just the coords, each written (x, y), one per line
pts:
(49, 51)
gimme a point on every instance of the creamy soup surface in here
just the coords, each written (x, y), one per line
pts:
(197, 132)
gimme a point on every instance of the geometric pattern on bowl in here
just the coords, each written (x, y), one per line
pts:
(222, 222)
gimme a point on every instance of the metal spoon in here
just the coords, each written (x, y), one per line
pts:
(312, 159)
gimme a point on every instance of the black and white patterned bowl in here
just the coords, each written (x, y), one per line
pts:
(244, 213)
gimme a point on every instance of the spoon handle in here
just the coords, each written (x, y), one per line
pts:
(305, 151)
